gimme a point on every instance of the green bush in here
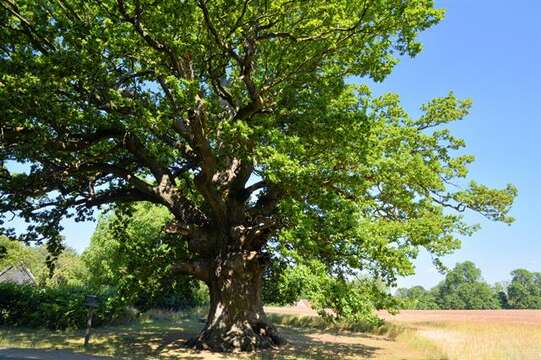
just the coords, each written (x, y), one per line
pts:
(56, 308)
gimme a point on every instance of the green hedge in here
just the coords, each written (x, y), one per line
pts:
(55, 308)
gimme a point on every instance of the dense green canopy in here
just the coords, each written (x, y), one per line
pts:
(239, 118)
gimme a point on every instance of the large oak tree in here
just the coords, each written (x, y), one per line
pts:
(241, 118)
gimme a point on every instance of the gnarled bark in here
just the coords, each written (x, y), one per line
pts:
(236, 319)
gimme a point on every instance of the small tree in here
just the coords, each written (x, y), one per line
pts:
(238, 117)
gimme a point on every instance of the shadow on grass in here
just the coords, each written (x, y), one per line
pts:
(162, 338)
(314, 344)
(45, 354)
(134, 341)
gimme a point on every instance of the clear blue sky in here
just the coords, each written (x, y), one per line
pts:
(489, 51)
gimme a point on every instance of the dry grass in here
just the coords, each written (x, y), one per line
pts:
(532, 317)
(440, 335)
(161, 335)
(487, 334)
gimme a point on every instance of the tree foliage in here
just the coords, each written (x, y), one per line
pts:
(17, 253)
(524, 290)
(463, 288)
(417, 298)
(55, 307)
(238, 118)
(130, 254)
(70, 269)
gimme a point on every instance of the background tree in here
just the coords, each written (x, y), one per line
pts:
(500, 288)
(417, 298)
(524, 290)
(17, 253)
(70, 269)
(237, 117)
(463, 288)
(130, 254)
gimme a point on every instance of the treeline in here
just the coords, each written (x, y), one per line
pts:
(464, 288)
(130, 261)
(129, 257)
(128, 265)
(70, 268)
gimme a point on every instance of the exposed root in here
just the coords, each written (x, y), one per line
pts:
(238, 337)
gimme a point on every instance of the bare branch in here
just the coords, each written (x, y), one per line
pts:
(255, 186)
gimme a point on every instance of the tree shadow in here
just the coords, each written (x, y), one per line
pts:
(167, 339)
(131, 341)
(317, 344)
(303, 343)
(45, 354)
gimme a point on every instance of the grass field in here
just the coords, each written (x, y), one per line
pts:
(409, 335)
(477, 334)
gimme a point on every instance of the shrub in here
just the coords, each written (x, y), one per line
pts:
(56, 308)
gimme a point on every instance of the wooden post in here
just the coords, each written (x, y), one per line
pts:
(88, 326)
(91, 301)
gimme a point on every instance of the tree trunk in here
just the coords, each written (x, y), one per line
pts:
(236, 319)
